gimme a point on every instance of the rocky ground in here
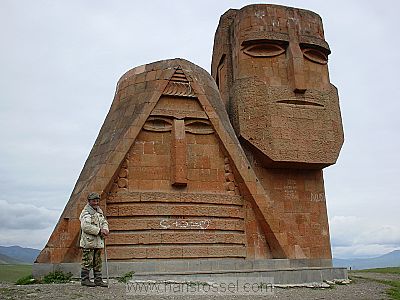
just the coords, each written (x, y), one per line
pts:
(359, 288)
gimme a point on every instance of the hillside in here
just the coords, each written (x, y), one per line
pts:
(6, 260)
(391, 259)
(18, 254)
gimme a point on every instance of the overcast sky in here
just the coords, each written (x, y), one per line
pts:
(60, 61)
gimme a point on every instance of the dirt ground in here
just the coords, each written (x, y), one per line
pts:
(359, 288)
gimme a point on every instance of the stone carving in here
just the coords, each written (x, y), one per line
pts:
(270, 64)
(188, 168)
(230, 184)
(121, 180)
(179, 85)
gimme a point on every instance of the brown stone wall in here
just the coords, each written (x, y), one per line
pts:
(150, 163)
(151, 224)
(300, 204)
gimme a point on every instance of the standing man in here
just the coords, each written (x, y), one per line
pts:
(94, 228)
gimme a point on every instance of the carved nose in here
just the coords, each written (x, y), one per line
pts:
(297, 68)
(178, 154)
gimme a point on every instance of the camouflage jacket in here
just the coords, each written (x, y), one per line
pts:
(91, 223)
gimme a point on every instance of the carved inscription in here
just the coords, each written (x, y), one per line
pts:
(290, 190)
(317, 197)
(184, 224)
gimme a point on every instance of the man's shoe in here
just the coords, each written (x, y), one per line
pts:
(101, 283)
(85, 281)
(98, 280)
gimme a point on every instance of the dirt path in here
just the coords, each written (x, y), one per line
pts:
(359, 289)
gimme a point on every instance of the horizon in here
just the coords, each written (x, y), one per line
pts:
(333, 257)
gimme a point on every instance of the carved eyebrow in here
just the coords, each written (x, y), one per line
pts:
(163, 124)
(315, 53)
(265, 49)
(158, 124)
(248, 43)
(198, 126)
(319, 46)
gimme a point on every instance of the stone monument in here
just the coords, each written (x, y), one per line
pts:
(270, 64)
(204, 176)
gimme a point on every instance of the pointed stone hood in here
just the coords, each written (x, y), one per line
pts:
(137, 93)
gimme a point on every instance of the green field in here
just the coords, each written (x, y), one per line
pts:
(10, 273)
(394, 290)
(391, 270)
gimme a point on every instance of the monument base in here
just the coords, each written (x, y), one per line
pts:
(283, 271)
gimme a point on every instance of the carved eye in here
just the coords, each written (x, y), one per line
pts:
(264, 49)
(315, 55)
(158, 124)
(198, 126)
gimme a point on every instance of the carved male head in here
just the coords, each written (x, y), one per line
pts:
(270, 63)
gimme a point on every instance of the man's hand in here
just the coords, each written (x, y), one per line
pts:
(104, 232)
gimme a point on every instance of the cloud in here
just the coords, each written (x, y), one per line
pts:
(363, 251)
(383, 234)
(354, 236)
(344, 229)
(26, 225)
(19, 216)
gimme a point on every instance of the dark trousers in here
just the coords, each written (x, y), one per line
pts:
(91, 259)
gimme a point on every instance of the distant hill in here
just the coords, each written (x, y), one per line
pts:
(4, 259)
(391, 259)
(18, 254)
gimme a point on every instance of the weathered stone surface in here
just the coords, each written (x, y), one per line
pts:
(176, 183)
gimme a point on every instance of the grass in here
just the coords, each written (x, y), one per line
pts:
(52, 277)
(26, 280)
(57, 277)
(22, 274)
(10, 273)
(391, 270)
(126, 277)
(394, 290)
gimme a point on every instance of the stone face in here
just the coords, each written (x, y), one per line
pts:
(178, 181)
(270, 64)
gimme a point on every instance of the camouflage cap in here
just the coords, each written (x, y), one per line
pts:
(93, 196)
